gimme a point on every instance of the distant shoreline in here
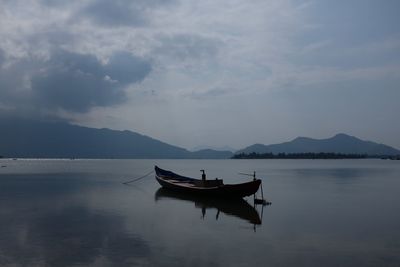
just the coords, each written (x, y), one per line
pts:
(238, 156)
(321, 155)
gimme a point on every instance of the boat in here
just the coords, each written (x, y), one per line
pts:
(237, 207)
(215, 188)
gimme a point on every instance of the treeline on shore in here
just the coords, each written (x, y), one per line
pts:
(321, 155)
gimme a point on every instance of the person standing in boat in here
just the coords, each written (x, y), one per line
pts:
(203, 177)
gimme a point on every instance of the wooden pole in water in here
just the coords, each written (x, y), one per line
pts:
(262, 193)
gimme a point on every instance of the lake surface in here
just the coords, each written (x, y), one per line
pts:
(78, 213)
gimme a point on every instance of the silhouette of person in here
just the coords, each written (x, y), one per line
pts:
(203, 178)
(203, 175)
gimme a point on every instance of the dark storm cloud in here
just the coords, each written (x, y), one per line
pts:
(71, 81)
(77, 82)
(12, 82)
(121, 12)
(126, 68)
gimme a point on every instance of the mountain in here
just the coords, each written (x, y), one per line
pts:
(23, 138)
(221, 148)
(340, 143)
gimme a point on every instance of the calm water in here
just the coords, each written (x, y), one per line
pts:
(78, 212)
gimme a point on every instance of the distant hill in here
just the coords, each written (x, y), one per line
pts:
(220, 148)
(22, 138)
(340, 143)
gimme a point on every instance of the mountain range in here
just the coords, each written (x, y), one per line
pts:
(340, 143)
(24, 138)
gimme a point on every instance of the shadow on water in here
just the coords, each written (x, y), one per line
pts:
(238, 208)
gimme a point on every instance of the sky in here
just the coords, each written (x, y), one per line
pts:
(206, 73)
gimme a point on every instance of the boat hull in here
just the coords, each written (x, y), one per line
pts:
(178, 183)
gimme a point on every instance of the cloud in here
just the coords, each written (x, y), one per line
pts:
(184, 51)
(2, 57)
(126, 68)
(183, 46)
(71, 81)
(209, 94)
(121, 12)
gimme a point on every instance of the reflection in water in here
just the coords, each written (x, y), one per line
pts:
(338, 173)
(235, 207)
(77, 213)
(43, 222)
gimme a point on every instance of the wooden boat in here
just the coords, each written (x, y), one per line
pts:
(216, 188)
(236, 207)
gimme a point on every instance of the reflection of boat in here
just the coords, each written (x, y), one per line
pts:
(237, 207)
(214, 188)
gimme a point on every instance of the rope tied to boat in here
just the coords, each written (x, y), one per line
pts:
(140, 178)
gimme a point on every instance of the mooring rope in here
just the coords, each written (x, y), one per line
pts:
(137, 179)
